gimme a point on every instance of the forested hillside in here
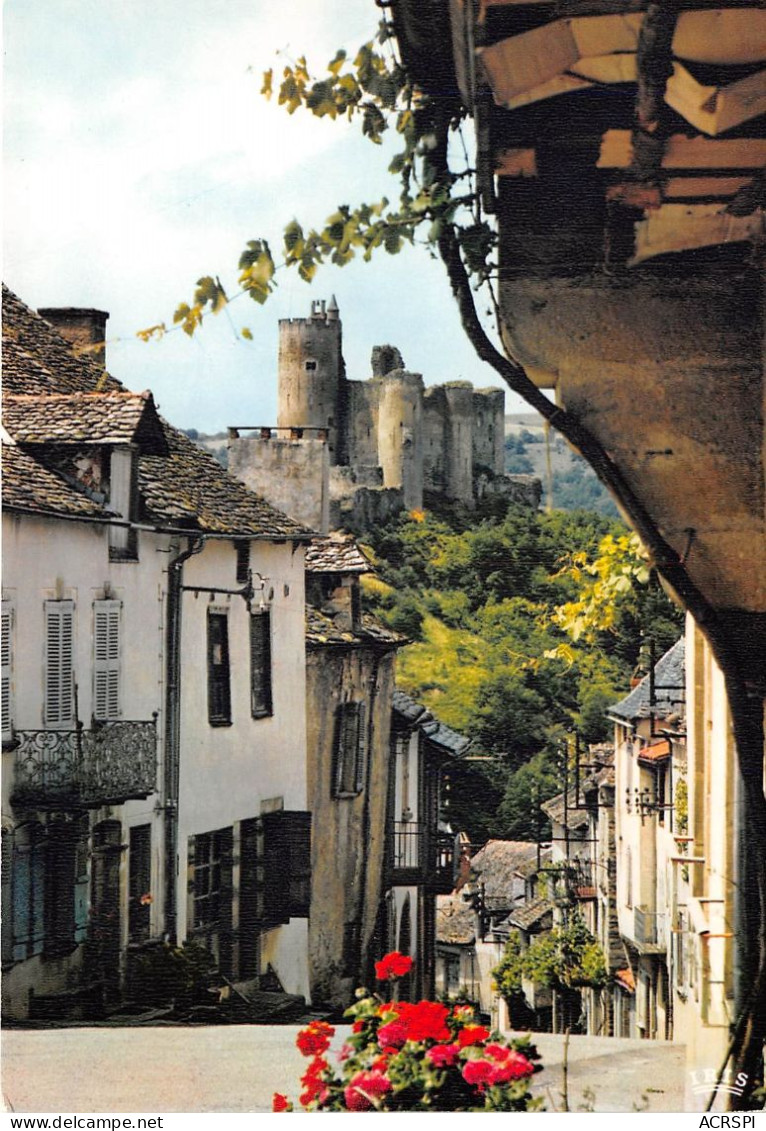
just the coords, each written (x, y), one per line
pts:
(480, 601)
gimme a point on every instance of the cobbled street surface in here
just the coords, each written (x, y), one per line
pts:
(237, 1069)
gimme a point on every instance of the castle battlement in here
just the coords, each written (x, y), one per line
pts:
(386, 439)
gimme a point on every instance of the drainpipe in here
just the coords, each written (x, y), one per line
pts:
(366, 820)
(173, 729)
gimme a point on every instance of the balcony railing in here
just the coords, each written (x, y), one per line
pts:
(408, 846)
(419, 854)
(649, 930)
(109, 764)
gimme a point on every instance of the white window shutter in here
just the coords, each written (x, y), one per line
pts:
(7, 671)
(59, 649)
(106, 659)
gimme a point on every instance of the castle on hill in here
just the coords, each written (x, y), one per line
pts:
(348, 453)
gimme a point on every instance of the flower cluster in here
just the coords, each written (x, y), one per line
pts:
(413, 1056)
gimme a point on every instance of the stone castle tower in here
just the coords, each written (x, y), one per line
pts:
(352, 452)
(312, 373)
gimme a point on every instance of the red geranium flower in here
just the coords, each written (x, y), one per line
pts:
(472, 1035)
(393, 1035)
(426, 1021)
(443, 1056)
(478, 1072)
(315, 1038)
(364, 1089)
(393, 966)
(513, 1067)
(280, 1103)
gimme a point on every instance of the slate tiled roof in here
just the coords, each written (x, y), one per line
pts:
(189, 487)
(669, 674)
(576, 818)
(496, 866)
(337, 553)
(528, 915)
(116, 417)
(435, 731)
(36, 359)
(52, 402)
(529, 867)
(30, 486)
(321, 631)
(455, 921)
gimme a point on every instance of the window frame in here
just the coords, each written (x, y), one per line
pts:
(219, 711)
(261, 696)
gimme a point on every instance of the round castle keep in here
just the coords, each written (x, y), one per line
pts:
(311, 373)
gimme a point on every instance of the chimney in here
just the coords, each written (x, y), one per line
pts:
(83, 328)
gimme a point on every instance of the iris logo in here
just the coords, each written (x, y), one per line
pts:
(705, 1080)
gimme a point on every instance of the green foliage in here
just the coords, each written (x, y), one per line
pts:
(492, 658)
(507, 975)
(565, 958)
(519, 816)
(681, 802)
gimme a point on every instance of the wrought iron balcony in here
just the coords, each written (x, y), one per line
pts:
(648, 931)
(419, 855)
(106, 765)
(408, 844)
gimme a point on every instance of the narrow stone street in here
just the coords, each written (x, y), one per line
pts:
(238, 1068)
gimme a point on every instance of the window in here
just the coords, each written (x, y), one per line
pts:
(140, 883)
(212, 856)
(218, 685)
(28, 891)
(123, 492)
(7, 671)
(106, 659)
(212, 876)
(60, 888)
(260, 664)
(350, 749)
(242, 550)
(59, 681)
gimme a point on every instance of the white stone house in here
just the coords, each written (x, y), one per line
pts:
(650, 762)
(154, 769)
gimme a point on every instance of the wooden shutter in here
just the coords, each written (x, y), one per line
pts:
(7, 715)
(106, 659)
(287, 865)
(350, 749)
(59, 673)
(260, 664)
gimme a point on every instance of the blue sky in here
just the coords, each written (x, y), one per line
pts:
(139, 155)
